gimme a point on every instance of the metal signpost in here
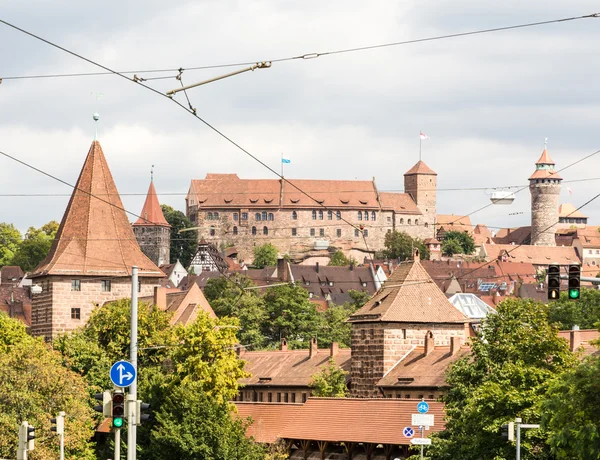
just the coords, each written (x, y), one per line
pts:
(423, 421)
(133, 352)
(519, 424)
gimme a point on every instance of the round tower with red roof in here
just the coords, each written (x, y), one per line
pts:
(544, 185)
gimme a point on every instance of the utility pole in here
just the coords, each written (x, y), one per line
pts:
(519, 424)
(118, 444)
(59, 428)
(133, 351)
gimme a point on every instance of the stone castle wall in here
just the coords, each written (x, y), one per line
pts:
(377, 348)
(155, 242)
(422, 188)
(52, 309)
(544, 212)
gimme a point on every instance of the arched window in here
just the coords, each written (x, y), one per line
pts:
(314, 215)
(401, 221)
(212, 231)
(271, 216)
(235, 231)
(264, 215)
(265, 230)
(416, 221)
(409, 222)
(338, 215)
(426, 224)
(373, 216)
(294, 215)
(329, 215)
(254, 230)
(209, 216)
(320, 215)
(216, 215)
(257, 216)
(366, 215)
(359, 215)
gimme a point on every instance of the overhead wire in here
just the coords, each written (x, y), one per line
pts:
(306, 56)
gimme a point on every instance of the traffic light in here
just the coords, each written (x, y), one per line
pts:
(118, 408)
(106, 407)
(139, 412)
(30, 438)
(508, 431)
(58, 424)
(574, 281)
(553, 282)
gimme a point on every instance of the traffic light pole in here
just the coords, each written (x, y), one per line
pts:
(62, 436)
(118, 444)
(133, 351)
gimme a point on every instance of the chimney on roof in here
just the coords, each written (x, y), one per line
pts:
(317, 267)
(416, 255)
(283, 345)
(282, 273)
(312, 351)
(351, 266)
(240, 350)
(334, 349)
(455, 344)
(429, 343)
(160, 297)
(574, 338)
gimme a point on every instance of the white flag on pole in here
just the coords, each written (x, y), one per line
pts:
(423, 136)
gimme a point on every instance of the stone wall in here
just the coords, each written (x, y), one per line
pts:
(52, 310)
(544, 212)
(155, 242)
(377, 348)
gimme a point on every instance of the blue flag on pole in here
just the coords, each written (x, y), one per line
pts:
(285, 160)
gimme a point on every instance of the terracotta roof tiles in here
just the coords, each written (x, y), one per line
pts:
(400, 202)
(568, 210)
(536, 255)
(151, 212)
(420, 168)
(545, 159)
(545, 174)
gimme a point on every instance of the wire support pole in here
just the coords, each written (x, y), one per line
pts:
(133, 352)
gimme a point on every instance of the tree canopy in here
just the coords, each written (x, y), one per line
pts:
(330, 381)
(400, 245)
(265, 255)
(339, 259)
(456, 242)
(28, 252)
(584, 313)
(10, 239)
(183, 245)
(511, 366)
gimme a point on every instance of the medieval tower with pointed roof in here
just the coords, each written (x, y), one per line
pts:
(544, 185)
(91, 259)
(152, 231)
(420, 183)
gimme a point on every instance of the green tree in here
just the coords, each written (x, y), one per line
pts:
(185, 244)
(265, 255)
(571, 412)
(512, 363)
(190, 425)
(464, 240)
(35, 246)
(290, 314)
(10, 239)
(451, 247)
(339, 259)
(359, 298)
(330, 381)
(400, 245)
(584, 313)
(34, 386)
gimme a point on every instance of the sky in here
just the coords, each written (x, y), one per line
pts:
(487, 101)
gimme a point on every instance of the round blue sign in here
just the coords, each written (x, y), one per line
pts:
(409, 432)
(122, 374)
(422, 407)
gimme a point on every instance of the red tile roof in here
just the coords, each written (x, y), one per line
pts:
(568, 210)
(545, 174)
(400, 202)
(10, 274)
(536, 255)
(452, 223)
(517, 235)
(151, 212)
(420, 168)
(409, 295)
(545, 159)
(289, 368)
(378, 421)
(95, 237)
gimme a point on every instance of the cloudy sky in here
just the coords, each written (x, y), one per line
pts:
(487, 101)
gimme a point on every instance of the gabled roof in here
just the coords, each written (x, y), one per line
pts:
(411, 296)
(95, 237)
(545, 159)
(568, 210)
(151, 212)
(400, 202)
(536, 255)
(420, 168)
(11, 274)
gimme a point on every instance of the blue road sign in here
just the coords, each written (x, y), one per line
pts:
(409, 432)
(122, 373)
(422, 407)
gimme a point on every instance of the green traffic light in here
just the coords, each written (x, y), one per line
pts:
(117, 422)
(574, 293)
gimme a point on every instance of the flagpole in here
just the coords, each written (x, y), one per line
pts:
(281, 164)
(420, 143)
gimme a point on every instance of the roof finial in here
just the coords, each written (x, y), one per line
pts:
(152, 174)
(96, 118)
(545, 142)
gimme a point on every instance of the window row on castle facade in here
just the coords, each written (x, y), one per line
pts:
(546, 181)
(294, 231)
(572, 220)
(105, 285)
(410, 222)
(365, 215)
(320, 214)
(264, 216)
(268, 396)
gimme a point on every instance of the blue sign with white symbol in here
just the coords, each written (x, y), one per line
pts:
(422, 407)
(122, 374)
(409, 432)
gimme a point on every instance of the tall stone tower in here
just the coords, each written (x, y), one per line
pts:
(420, 183)
(544, 185)
(152, 231)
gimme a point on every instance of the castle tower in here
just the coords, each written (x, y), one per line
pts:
(420, 183)
(152, 231)
(91, 257)
(544, 185)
